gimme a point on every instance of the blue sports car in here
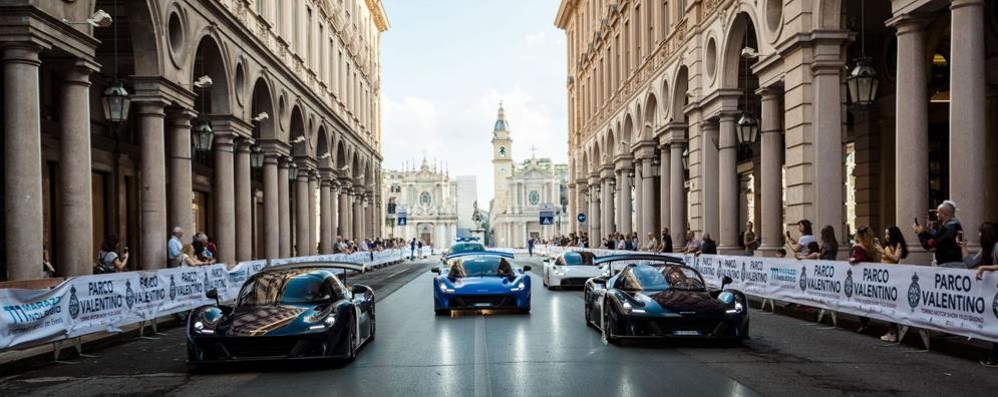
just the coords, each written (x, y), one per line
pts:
(480, 280)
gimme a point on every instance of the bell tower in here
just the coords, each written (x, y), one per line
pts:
(502, 159)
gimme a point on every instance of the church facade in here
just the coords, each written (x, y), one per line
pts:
(428, 198)
(522, 191)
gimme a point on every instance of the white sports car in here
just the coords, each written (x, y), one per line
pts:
(570, 269)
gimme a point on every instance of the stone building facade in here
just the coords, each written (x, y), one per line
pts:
(521, 190)
(288, 92)
(657, 89)
(429, 197)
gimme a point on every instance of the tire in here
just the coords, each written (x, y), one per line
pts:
(524, 311)
(606, 329)
(374, 326)
(441, 312)
(589, 321)
(351, 342)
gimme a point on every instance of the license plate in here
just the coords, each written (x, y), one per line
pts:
(686, 333)
(483, 305)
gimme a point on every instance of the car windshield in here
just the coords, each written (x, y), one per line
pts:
(466, 247)
(662, 277)
(289, 288)
(481, 267)
(578, 259)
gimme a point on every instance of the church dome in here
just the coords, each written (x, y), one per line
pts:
(501, 123)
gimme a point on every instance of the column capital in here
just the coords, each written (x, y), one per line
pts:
(152, 108)
(243, 144)
(965, 3)
(78, 72)
(22, 52)
(180, 117)
(623, 164)
(274, 147)
(769, 92)
(645, 149)
(908, 22)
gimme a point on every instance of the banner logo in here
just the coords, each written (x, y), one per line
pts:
(848, 284)
(207, 284)
(743, 272)
(74, 303)
(173, 288)
(994, 305)
(129, 294)
(914, 292)
(803, 278)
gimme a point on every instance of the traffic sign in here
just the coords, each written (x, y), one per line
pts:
(403, 218)
(546, 214)
(581, 217)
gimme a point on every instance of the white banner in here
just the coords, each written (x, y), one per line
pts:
(105, 302)
(942, 299)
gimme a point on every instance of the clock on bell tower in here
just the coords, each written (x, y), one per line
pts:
(502, 157)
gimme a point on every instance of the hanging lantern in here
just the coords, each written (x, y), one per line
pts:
(292, 171)
(748, 129)
(863, 83)
(256, 156)
(116, 102)
(630, 177)
(202, 135)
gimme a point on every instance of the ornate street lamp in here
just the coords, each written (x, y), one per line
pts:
(748, 129)
(292, 170)
(862, 81)
(256, 156)
(202, 136)
(686, 157)
(656, 165)
(116, 102)
(630, 177)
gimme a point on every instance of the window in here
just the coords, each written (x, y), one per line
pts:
(308, 42)
(535, 198)
(425, 199)
(665, 19)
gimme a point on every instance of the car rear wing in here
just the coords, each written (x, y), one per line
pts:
(610, 259)
(480, 253)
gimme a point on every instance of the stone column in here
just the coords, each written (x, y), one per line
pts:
(301, 213)
(595, 215)
(677, 193)
(771, 183)
(225, 211)
(181, 192)
(728, 186)
(710, 209)
(625, 199)
(271, 207)
(325, 226)
(639, 197)
(609, 210)
(829, 163)
(665, 192)
(358, 214)
(345, 209)
(581, 188)
(244, 202)
(968, 119)
(334, 222)
(22, 163)
(369, 217)
(284, 207)
(153, 236)
(313, 213)
(911, 127)
(76, 254)
(649, 220)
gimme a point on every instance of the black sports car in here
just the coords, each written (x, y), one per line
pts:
(655, 296)
(300, 311)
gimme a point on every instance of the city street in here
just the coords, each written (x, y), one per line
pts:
(548, 352)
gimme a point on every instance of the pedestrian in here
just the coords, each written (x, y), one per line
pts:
(988, 255)
(621, 242)
(864, 250)
(942, 238)
(799, 246)
(992, 359)
(826, 250)
(530, 246)
(652, 244)
(108, 259)
(709, 246)
(749, 239)
(781, 253)
(692, 244)
(211, 248)
(173, 247)
(665, 244)
(635, 242)
(188, 258)
(892, 253)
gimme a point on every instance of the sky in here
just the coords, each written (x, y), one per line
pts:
(446, 64)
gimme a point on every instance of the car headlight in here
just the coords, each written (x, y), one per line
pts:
(560, 271)
(199, 328)
(630, 309)
(445, 289)
(326, 323)
(519, 286)
(738, 308)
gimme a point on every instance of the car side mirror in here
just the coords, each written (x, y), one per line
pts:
(725, 281)
(213, 294)
(526, 269)
(358, 290)
(435, 269)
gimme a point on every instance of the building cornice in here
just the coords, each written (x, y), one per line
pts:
(378, 14)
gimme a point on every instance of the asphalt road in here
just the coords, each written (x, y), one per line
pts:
(549, 352)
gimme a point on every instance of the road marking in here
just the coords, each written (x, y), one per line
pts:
(397, 273)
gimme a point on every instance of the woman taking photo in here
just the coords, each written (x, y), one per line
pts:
(892, 254)
(188, 258)
(108, 260)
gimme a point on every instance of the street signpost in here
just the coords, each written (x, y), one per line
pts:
(546, 214)
(403, 218)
